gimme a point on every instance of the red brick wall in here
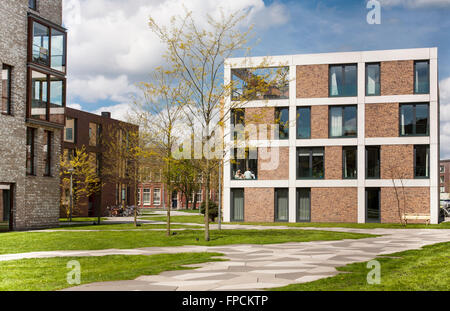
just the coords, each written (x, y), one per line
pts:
(417, 201)
(312, 81)
(319, 122)
(334, 204)
(397, 161)
(382, 120)
(281, 171)
(261, 115)
(397, 77)
(259, 204)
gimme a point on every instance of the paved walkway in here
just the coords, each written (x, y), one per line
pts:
(253, 267)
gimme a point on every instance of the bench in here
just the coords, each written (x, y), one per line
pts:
(425, 217)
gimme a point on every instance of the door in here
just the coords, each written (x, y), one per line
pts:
(6, 204)
(303, 205)
(237, 205)
(373, 213)
(281, 205)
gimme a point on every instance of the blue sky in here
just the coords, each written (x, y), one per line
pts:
(111, 47)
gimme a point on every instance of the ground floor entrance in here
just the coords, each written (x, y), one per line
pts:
(6, 207)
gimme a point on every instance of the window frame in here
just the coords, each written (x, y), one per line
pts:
(428, 76)
(153, 196)
(297, 121)
(367, 162)
(36, 19)
(48, 158)
(232, 207)
(310, 163)
(414, 120)
(367, 78)
(9, 70)
(343, 162)
(415, 161)
(276, 216)
(343, 78)
(343, 121)
(34, 5)
(31, 155)
(278, 111)
(74, 130)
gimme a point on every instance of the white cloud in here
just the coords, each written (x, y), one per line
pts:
(110, 45)
(74, 106)
(118, 112)
(413, 4)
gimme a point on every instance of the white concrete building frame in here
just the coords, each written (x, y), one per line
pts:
(361, 183)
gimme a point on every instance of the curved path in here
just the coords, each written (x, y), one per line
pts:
(252, 267)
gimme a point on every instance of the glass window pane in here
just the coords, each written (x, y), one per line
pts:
(422, 119)
(303, 122)
(373, 162)
(350, 162)
(6, 89)
(39, 95)
(350, 77)
(350, 121)
(422, 161)
(58, 61)
(40, 44)
(317, 166)
(373, 79)
(303, 165)
(336, 81)
(238, 204)
(336, 122)
(303, 205)
(282, 205)
(406, 120)
(422, 83)
(282, 119)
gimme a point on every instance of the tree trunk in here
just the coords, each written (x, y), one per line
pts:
(207, 201)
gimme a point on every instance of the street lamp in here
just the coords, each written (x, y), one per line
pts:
(70, 170)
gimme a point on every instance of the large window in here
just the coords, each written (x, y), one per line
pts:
(156, 196)
(244, 163)
(421, 77)
(48, 153)
(199, 195)
(310, 163)
(342, 121)
(48, 46)
(237, 120)
(303, 122)
(47, 97)
(373, 162)
(237, 204)
(349, 162)
(70, 130)
(373, 79)
(260, 83)
(414, 119)
(282, 119)
(373, 210)
(281, 204)
(343, 80)
(421, 161)
(6, 89)
(146, 196)
(31, 132)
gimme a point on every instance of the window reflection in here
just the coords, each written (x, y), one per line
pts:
(40, 44)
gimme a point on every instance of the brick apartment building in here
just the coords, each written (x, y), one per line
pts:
(444, 179)
(33, 63)
(349, 123)
(89, 130)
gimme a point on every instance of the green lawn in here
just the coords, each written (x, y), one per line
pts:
(45, 274)
(81, 219)
(20, 242)
(197, 219)
(444, 225)
(427, 269)
(127, 226)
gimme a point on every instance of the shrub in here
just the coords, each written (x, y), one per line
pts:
(213, 210)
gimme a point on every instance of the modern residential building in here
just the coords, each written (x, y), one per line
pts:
(352, 129)
(33, 63)
(444, 179)
(91, 131)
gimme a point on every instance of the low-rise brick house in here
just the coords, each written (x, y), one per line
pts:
(444, 178)
(87, 129)
(348, 129)
(33, 63)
